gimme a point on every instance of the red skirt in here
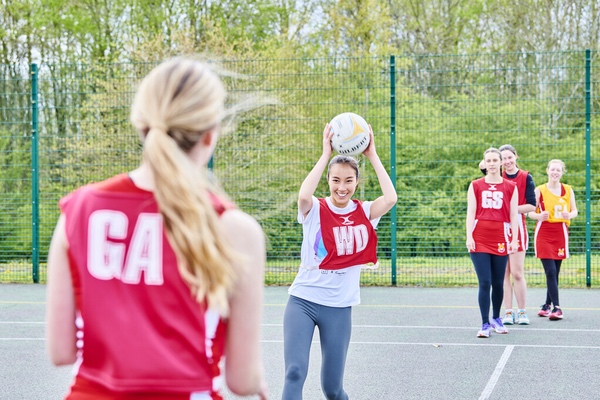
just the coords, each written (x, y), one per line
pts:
(491, 237)
(551, 240)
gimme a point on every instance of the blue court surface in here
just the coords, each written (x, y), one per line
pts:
(407, 343)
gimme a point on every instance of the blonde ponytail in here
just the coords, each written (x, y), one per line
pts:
(176, 104)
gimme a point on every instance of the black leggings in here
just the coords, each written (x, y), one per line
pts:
(490, 269)
(552, 269)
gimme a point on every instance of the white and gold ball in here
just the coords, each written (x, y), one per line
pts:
(350, 134)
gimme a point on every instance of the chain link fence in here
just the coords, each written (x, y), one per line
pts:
(65, 125)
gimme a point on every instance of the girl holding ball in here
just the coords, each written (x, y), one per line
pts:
(339, 239)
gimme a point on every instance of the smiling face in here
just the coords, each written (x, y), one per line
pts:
(555, 171)
(342, 181)
(509, 161)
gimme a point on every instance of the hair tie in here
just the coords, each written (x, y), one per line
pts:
(158, 127)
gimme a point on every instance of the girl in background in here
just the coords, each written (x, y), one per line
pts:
(492, 216)
(516, 260)
(555, 209)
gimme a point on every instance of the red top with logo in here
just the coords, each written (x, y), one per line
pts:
(491, 231)
(350, 239)
(139, 328)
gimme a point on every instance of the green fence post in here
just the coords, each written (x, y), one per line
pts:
(393, 245)
(35, 220)
(588, 177)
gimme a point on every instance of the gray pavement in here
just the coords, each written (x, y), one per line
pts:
(407, 343)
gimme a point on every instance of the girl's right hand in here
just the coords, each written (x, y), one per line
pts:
(470, 244)
(544, 216)
(327, 135)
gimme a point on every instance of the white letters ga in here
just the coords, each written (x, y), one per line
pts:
(347, 236)
(108, 259)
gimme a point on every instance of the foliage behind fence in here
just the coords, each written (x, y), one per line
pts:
(433, 116)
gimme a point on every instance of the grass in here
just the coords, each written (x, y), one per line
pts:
(413, 271)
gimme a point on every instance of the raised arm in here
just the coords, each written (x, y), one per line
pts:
(243, 365)
(384, 203)
(308, 187)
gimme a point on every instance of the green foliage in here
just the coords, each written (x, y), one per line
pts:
(448, 110)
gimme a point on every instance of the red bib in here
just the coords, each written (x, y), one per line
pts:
(349, 239)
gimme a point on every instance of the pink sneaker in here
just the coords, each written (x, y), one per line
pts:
(555, 315)
(545, 311)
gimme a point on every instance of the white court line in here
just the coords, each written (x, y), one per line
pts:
(432, 306)
(520, 329)
(470, 328)
(497, 372)
(483, 343)
(22, 322)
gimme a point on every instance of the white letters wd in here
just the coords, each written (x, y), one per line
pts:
(106, 259)
(346, 236)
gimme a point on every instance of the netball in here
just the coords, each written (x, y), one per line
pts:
(350, 134)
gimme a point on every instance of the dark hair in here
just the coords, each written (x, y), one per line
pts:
(509, 148)
(339, 159)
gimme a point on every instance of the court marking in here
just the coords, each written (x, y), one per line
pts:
(357, 306)
(518, 329)
(433, 306)
(484, 343)
(489, 388)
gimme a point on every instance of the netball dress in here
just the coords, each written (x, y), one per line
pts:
(491, 229)
(139, 328)
(552, 237)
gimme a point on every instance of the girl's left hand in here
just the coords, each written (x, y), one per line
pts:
(370, 150)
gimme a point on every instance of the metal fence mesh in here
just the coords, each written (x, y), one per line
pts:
(433, 116)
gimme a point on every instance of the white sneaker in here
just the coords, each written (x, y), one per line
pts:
(522, 318)
(509, 318)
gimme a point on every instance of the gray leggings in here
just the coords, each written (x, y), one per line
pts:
(335, 326)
